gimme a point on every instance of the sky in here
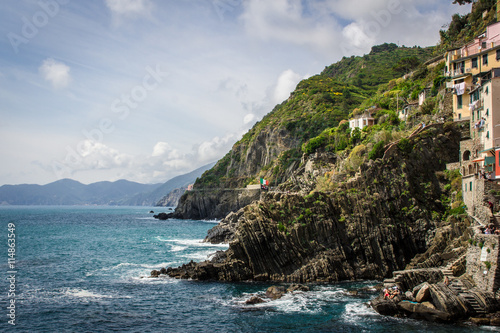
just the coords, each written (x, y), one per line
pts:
(145, 90)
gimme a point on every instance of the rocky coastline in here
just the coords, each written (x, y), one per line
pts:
(360, 231)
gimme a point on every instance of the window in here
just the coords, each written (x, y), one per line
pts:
(474, 96)
(488, 135)
(487, 112)
(485, 59)
(474, 62)
(470, 186)
(459, 116)
(498, 54)
(459, 102)
(466, 156)
(483, 45)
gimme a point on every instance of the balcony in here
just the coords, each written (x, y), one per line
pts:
(460, 72)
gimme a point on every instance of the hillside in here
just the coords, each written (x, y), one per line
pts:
(370, 203)
(379, 66)
(153, 197)
(272, 149)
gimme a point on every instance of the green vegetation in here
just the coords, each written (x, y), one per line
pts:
(314, 117)
(384, 63)
(463, 28)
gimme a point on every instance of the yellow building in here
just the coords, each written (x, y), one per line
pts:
(468, 65)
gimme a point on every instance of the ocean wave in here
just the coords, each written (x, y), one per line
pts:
(128, 270)
(162, 279)
(199, 255)
(356, 312)
(214, 221)
(177, 248)
(82, 293)
(192, 242)
(300, 302)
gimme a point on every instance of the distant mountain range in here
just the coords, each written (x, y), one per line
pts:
(154, 196)
(72, 192)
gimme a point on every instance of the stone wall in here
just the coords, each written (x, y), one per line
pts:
(482, 261)
(453, 166)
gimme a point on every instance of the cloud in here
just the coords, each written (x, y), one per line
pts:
(287, 21)
(249, 118)
(129, 7)
(163, 149)
(213, 149)
(287, 82)
(56, 73)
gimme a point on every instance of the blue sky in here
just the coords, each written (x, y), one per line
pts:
(146, 90)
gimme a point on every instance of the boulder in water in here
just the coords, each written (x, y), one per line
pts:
(254, 300)
(275, 292)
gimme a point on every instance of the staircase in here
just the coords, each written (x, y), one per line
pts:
(396, 278)
(478, 309)
(457, 287)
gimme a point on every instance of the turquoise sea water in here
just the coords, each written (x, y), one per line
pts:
(84, 269)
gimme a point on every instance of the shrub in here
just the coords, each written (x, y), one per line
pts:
(313, 144)
(377, 151)
(405, 145)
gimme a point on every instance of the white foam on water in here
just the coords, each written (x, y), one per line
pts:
(82, 293)
(162, 279)
(177, 248)
(296, 302)
(195, 243)
(490, 328)
(199, 255)
(214, 221)
(357, 311)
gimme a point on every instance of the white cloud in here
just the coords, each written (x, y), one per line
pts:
(287, 82)
(215, 148)
(249, 118)
(56, 73)
(163, 149)
(95, 156)
(285, 21)
(129, 7)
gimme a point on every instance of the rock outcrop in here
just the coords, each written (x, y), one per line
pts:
(435, 300)
(213, 203)
(171, 199)
(365, 228)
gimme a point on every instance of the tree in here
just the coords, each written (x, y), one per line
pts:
(406, 65)
(462, 2)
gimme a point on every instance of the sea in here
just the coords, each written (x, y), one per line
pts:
(86, 269)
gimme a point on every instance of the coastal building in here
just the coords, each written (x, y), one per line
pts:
(468, 65)
(406, 111)
(480, 152)
(362, 121)
(423, 95)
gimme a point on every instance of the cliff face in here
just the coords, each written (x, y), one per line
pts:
(213, 204)
(365, 228)
(171, 199)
